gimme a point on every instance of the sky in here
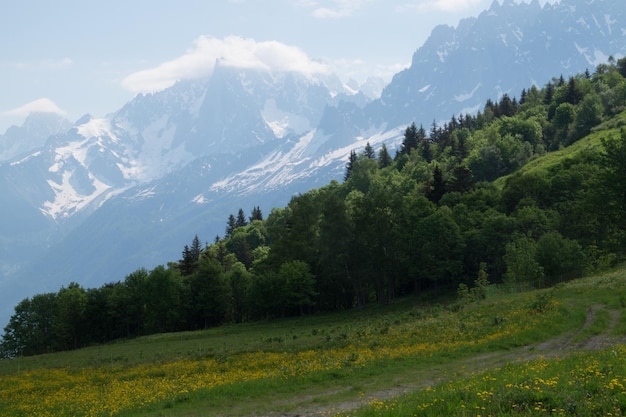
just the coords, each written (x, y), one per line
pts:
(74, 57)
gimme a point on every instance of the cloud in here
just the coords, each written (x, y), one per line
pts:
(233, 51)
(44, 64)
(442, 5)
(360, 70)
(339, 9)
(58, 63)
(42, 105)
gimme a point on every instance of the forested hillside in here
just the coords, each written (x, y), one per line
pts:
(529, 192)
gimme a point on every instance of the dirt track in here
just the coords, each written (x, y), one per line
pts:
(311, 406)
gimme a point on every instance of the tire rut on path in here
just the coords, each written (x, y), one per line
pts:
(555, 347)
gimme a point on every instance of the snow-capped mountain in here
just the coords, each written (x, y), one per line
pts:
(31, 135)
(101, 198)
(503, 50)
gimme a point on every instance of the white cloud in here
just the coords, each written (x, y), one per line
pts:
(42, 105)
(339, 9)
(441, 5)
(58, 63)
(44, 64)
(231, 51)
(360, 70)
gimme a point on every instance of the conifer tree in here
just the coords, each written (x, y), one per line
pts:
(410, 139)
(350, 165)
(241, 219)
(384, 159)
(369, 152)
(621, 66)
(191, 254)
(230, 226)
(573, 95)
(438, 187)
(549, 93)
(435, 132)
(523, 96)
(256, 214)
(426, 151)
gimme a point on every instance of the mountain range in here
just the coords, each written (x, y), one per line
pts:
(94, 200)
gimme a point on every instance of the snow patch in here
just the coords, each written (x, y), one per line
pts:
(145, 193)
(582, 22)
(200, 199)
(283, 122)
(300, 161)
(67, 201)
(34, 155)
(466, 96)
(76, 150)
(96, 128)
(131, 171)
(596, 58)
(471, 110)
(157, 156)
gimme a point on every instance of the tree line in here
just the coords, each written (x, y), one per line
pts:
(451, 205)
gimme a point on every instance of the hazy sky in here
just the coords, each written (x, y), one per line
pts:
(77, 57)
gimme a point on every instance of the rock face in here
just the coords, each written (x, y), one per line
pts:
(94, 201)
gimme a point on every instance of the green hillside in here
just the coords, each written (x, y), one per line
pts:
(513, 354)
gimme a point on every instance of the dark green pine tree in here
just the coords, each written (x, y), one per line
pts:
(256, 214)
(384, 159)
(350, 165)
(621, 66)
(435, 132)
(410, 139)
(549, 93)
(438, 187)
(230, 226)
(573, 95)
(523, 96)
(463, 179)
(241, 219)
(187, 265)
(196, 248)
(369, 152)
(426, 152)
(507, 106)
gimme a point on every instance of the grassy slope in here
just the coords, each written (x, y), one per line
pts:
(590, 143)
(383, 352)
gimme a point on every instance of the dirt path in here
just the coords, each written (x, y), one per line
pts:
(315, 406)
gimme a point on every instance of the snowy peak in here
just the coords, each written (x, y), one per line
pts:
(31, 135)
(83, 166)
(506, 48)
(235, 111)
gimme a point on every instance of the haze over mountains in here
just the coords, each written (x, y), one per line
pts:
(94, 200)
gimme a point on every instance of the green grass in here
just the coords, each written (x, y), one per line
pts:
(582, 384)
(589, 144)
(382, 352)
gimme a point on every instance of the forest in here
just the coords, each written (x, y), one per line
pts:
(527, 193)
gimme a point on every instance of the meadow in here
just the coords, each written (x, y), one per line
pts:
(557, 351)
